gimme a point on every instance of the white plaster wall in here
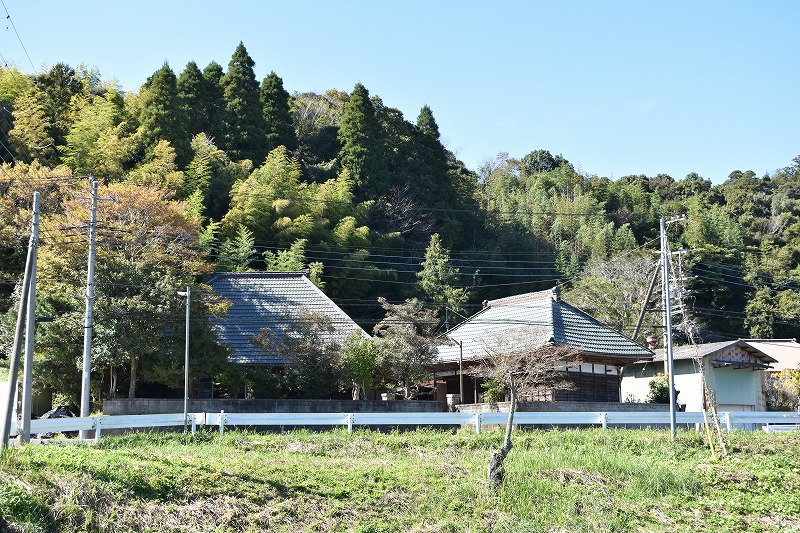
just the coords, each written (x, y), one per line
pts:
(636, 381)
(689, 385)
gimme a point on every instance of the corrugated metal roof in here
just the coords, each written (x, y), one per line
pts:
(536, 319)
(270, 300)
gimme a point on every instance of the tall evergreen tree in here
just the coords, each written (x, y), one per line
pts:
(215, 100)
(192, 90)
(245, 131)
(163, 116)
(427, 123)
(363, 152)
(439, 280)
(277, 114)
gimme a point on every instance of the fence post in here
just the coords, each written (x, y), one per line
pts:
(221, 421)
(604, 420)
(350, 422)
(478, 423)
(194, 423)
(727, 418)
(97, 426)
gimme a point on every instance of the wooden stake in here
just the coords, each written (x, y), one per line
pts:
(708, 434)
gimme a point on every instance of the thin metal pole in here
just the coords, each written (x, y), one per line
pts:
(13, 367)
(27, 373)
(668, 326)
(89, 316)
(461, 370)
(186, 363)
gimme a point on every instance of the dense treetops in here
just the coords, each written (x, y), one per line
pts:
(375, 202)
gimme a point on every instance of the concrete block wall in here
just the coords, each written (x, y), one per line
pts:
(563, 407)
(144, 406)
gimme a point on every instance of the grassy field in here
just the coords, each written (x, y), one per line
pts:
(577, 480)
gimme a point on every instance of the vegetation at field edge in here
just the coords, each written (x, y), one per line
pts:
(575, 480)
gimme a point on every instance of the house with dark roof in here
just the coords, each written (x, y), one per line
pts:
(535, 320)
(271, 300)
(734, 374)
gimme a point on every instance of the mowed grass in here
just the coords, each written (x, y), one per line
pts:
(424, 480)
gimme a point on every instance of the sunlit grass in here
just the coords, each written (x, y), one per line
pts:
(576, 480)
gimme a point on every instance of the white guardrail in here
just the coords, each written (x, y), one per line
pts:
(769, 421)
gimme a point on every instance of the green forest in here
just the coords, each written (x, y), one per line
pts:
(210, 169)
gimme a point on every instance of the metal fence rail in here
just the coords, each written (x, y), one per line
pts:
(770, 421)
(98, 423)
(749, 421)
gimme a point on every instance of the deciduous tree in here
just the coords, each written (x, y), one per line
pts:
(405, 341)
(524, 360)
(145, 255)
(360, 359)
(312, 368)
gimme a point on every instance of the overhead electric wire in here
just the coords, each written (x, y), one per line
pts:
(788, 283)
(8, 18)
(197, 253)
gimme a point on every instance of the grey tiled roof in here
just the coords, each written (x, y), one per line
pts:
(270, 300)
(536, 319)
(710, 348)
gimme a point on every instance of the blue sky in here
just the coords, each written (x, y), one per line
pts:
(615, 87)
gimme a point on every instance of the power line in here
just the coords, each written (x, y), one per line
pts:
(8, 18)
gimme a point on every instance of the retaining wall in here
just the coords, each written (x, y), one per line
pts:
(146, 406)
(563, 407)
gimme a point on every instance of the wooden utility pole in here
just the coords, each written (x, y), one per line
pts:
(13, 367)
(646, 301)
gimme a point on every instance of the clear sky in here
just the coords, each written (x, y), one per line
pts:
(637, 87)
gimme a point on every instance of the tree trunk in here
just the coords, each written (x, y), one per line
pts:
(496, 470)
(112, 386)
(132, 386)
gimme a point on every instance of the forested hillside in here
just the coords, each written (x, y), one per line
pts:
(213, 169)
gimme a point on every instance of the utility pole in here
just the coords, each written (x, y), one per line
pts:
(27, 373)
(461, 370)
(13, 366)
(89, 315)
(188, 295)
(88, 322)
(668, 361)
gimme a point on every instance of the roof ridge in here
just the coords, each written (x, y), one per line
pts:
(524, 297)
(261, 274)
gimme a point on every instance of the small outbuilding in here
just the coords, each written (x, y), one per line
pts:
(733, 370)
